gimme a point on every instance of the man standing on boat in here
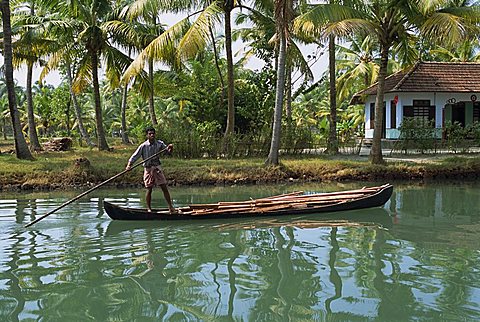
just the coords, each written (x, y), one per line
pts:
(153, 173)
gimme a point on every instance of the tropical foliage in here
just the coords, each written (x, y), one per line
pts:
(394, 25)
(123, 68)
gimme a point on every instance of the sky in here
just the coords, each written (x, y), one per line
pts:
(318, 68)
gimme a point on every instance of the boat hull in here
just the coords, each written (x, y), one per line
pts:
(375, 199)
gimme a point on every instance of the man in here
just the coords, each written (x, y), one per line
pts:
(152, 174)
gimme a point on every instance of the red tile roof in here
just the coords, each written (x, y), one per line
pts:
(429, 77)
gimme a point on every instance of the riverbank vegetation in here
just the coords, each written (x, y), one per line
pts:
(123, 69)
(83, 167)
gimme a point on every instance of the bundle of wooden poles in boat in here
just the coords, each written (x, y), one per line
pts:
(294, 200)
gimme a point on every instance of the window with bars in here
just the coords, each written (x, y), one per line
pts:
(421, 110)
(476, 112)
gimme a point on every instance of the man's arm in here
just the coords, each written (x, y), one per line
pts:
(164, 146)
(134, 157)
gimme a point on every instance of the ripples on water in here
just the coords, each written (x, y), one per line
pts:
(415, 259)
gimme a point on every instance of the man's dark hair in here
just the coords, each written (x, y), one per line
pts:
(150, 129)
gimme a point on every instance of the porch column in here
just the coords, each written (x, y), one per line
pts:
(399, 111)
(388, 123)
(448, 113)
(439, 115)
(468, 113)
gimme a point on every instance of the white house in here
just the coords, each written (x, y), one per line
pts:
(433, 91)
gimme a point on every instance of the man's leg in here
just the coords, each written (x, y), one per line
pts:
(166, 194)
(148, 198)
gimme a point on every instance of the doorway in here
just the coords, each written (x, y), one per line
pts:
(458, 113)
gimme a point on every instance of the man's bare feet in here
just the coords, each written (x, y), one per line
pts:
(173, 211)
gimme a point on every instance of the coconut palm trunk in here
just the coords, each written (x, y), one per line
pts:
(76, 107)
(125, 139)
(32, 127)
(151, 101)
(123, 110)
(21, 147)
(230, 80)
(332, 144)
(280, 89)
(217, 66)
(288, 103)
(102, 141)
(283, 18)
(376, 156)
(288, 95)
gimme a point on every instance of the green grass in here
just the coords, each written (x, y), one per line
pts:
(57, 169)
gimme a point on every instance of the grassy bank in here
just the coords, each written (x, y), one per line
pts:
(81, 166)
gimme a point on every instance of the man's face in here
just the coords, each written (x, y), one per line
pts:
(151, 135)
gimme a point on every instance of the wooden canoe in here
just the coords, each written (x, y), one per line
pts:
(376, 216)
(286, 204)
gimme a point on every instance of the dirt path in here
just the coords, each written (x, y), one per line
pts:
(427, 158)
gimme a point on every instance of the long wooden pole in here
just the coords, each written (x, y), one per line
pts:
(92, 189)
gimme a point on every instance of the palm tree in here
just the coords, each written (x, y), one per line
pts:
(228, 6)
(283, 19)
(332, 142)
(28, 49)
(258, 31)
(392, 22)
(134, 28)
(68, 54)
(4, 110)
(21, 147)
(76, 107)
(466, 51)
(139, 26)
(89, 22)
(184, 40)
(87, 17)
(94, 40)
(262, 38)
(123, 115)
(65, 55)
(357, 65)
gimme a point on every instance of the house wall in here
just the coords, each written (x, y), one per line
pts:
(441, 101)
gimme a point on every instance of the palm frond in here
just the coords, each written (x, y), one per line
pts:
(344, 29)
(128, 35)
(198, 34)
(116, 63)
(444, 28)
(160, 49)
(298, 61)
(83, 76)
(142, 85)
(313, 21)
(53, 63)
(135, 9)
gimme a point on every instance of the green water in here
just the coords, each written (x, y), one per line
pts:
(418, 258)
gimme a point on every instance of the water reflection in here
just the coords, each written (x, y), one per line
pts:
(334, 277)
(437, 217)
(417, 258)
(364, 217)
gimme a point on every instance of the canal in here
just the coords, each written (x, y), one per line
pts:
(417, 258)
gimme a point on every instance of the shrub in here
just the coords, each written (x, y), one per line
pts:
(417, 135)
